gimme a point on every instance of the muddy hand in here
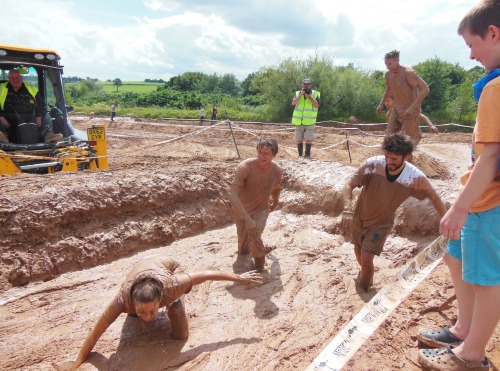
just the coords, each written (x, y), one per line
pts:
(346, 224)
(411, 113)
(249, 278)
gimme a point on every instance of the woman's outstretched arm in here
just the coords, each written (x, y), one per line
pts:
(105, 320)
(245, 279)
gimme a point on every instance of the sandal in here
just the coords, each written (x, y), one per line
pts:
(443, 359)
(438, 338)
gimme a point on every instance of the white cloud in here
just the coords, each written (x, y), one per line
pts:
(160, 38)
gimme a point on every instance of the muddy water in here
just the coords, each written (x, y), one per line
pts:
(87, 230)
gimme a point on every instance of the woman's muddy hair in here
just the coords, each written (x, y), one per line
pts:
(147, 291)
(268, 142)
(477, 20)
(398, 143)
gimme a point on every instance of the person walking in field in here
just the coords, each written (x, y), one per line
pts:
(214, 113)
(113, 111)
(202, 115)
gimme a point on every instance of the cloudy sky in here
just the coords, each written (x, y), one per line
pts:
(136, 40)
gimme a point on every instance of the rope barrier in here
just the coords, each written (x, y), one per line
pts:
(188, 134)
(364, 145)
(288, 127)
(332, 145)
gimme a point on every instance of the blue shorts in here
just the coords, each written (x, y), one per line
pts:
(479, 248)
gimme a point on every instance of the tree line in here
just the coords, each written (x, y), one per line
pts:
(345, 91)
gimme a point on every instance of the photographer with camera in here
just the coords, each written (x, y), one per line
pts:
(306, 102)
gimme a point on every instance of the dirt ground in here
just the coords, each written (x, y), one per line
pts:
(68, 239)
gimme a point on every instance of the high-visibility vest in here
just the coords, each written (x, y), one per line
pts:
(305, 113)
(4, 90)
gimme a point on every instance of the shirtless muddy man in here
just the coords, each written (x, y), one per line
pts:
(256, 181)
(408, 90)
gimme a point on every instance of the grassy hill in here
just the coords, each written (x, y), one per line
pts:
(139, 87)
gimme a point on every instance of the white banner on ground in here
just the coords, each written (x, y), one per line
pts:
(352, 336)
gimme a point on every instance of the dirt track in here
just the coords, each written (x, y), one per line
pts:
(67, 240)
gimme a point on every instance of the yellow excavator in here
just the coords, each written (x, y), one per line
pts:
(77, 150)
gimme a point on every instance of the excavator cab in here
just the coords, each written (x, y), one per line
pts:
(78, 150)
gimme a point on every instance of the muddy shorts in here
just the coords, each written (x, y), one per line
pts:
(304, 132)
(251, 242)
(479, 248)
(397, 123)
(371, 239)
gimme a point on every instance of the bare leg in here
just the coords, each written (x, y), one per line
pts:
(465, 297)
(367, 270)
(484, 321)
(259, 263)
(243, 248)
(178, 320)
(357, 252)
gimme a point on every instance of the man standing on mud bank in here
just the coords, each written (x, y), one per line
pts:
(386, 181)
(306, 102)
(408, 90)
(256, 180)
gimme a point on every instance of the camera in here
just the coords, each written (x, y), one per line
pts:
(308, 91)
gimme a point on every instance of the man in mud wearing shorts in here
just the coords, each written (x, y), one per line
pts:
(389, 104)
(256, 180)
(386, 182)
(408, 90)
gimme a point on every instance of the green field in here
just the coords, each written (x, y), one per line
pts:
(130, 86)
(139, 87)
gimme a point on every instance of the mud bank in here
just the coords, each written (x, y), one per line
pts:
(67, 240)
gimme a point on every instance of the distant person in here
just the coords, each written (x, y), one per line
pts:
(153, 284)
(20, 103)
(408, 90)
(214, 113)
(473, 221)
(386, 182)
(202, 115)
(389, 104)
(306, 102)
(256, 181)
(113, 111)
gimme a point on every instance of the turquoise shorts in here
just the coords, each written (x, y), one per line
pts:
(479, 248)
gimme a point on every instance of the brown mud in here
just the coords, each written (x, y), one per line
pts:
(67, 240)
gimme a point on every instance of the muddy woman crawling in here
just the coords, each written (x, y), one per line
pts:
(151, 285)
